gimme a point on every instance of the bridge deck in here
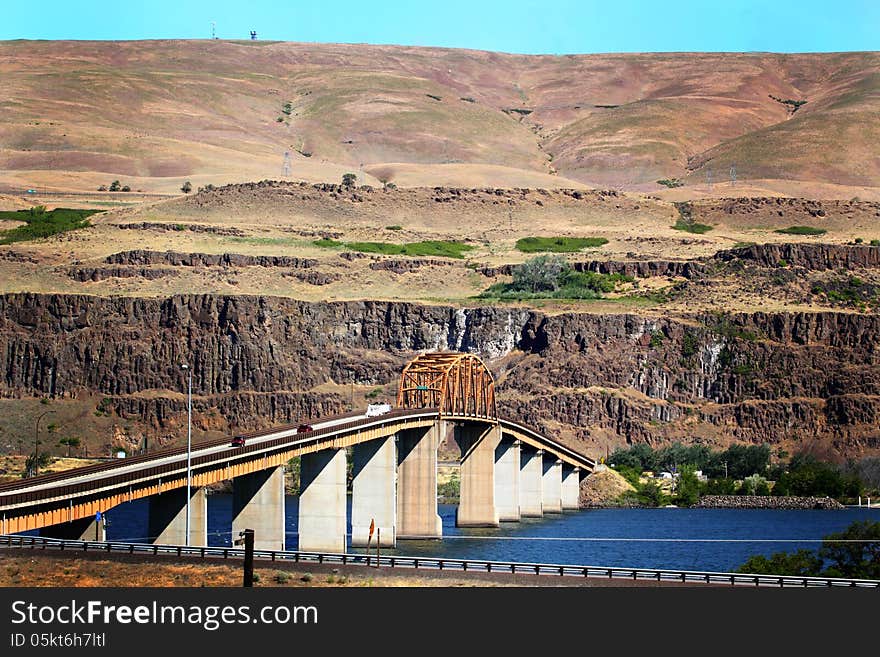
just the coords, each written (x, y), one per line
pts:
(79, 493)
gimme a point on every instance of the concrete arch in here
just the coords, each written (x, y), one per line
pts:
(456, 384)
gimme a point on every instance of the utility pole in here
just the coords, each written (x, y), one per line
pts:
(247, 537)
(37, 442)
(188, 447)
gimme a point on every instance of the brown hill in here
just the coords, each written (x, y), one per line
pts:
(76, 115)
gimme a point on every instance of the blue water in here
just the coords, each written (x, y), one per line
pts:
(733, 534)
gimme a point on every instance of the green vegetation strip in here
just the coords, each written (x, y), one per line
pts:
(40, 223)
(558, 244)
(801, 230)
(441, 249)
(689, 227)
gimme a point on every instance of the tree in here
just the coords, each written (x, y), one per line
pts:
(539, 274)
(125, 188)
(687, 487)
(348, 179)
(114, 186)
(853, 553)
(187, 187)
(71, 443)
(858, 559)
(33, 461)
(650, 494)
(803, 562)
(754, 485)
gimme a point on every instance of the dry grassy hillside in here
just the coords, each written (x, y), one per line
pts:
(76, 115)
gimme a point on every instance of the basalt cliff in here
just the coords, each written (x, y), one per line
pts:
(596, 381)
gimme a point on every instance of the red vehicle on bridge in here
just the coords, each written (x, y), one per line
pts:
(304, 428)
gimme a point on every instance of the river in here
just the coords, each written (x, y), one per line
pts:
(673, 538)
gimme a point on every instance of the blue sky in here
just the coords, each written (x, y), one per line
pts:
(520, 26)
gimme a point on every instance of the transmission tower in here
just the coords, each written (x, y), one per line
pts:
(213, 30)
(286, 166)
(732, 175)
(709, 178)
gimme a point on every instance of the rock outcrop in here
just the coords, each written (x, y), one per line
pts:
(595, 381)
(142, 257)
(766, 502)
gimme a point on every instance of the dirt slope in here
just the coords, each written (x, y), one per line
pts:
(155, 113)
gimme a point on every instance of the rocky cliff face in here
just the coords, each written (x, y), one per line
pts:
(596, 381)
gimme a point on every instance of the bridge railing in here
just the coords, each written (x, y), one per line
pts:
(442, 564)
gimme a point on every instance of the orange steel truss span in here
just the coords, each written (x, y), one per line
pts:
(458, 384)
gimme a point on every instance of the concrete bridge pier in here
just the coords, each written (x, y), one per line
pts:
(258, 504)
(374, 492)
(417, 515)
(571, 487)
(507, 457)
(167, 517)
(477, 443)
(84, 529)
(551, 484)
(531, 482)
(322, 501)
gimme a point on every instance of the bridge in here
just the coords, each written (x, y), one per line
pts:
(508, 471)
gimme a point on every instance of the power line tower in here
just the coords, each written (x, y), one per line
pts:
(709, 178)
(213, 30)
(733, 174)
(253, 35)
(286, 167)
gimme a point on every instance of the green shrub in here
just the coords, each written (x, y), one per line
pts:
(690, 345)
(689, 227)
(558, 244)
(327, 243)
(670, 182)
(801, 230)
(551, 277)
(450, 489)
(394, 227)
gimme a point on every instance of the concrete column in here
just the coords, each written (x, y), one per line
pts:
(478, 442)
(322, 501)
(507, 459)
(258, 504)
(530, 482)
(571, 488)
(84, 529)
(417, 515)
(167, 517)
(551, 486)
(374, 492)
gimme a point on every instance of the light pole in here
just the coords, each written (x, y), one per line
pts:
(188, 444)
(37, 442)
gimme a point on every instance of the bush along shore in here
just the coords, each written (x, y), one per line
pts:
(766, 502)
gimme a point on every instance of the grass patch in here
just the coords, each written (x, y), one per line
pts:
(263, 241)
(801, 230)
(394, 227)
(40, 223)
(558, 244)
(688, 227)
(671, 183)
(443, 249)
(327, 243)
